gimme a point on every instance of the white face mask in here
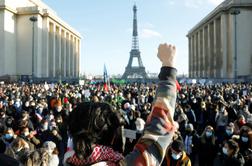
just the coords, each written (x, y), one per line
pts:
(19, 149)
(225, 151)
(26, 134)
(176, 156)
(27, 104)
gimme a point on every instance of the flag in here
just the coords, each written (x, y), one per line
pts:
(106, 79)
(178, 86)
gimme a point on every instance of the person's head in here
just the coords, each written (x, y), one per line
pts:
(50, 147)
(177, 147)
(24, 115)
(209, 131)
(44, 124)
(244, 136)
(230, 148)
(93, 123)
(58, 119)
(19, 144)
(241, 120)
(230, 129)
(39, 157)
(189, 128)
(8, 134)
(25, 131)
(203, 105)
(2, 112)
(9, 121)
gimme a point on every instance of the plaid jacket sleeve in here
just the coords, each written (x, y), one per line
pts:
(159, 129)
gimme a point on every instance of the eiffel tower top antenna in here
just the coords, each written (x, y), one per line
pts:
(135, 42)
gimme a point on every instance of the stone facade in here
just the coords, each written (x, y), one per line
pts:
(212, 42)
(56, 44)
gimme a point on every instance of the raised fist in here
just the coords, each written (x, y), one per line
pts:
(166, 54)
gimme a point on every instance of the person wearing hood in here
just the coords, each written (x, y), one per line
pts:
(191, 142)
(176, 155)
(29, 137)
(245, 147)
(207, 147)
(7, 139)
(53, 153)
(233, 157)
(18, 149)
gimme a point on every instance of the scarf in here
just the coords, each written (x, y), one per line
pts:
(100, 153)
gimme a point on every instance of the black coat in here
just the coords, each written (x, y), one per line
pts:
(236, 160)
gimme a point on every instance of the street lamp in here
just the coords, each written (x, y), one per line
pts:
(33, 19)
(235, 12)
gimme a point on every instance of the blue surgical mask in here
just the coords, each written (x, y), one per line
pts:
(244, 139)
(176, 156)
(229, 132)
(225, 151)
(8, 136)
(209, 133)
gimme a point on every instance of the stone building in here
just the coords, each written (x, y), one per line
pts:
(51, 50)
(220, 46)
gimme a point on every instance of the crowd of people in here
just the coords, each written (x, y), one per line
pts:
(33, 117)
(37, 121)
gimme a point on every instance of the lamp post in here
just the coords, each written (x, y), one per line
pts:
(235, 12)
(33, 19)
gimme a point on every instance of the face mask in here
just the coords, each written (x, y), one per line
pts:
(229, 132)
(59, 121)
(244, 139)
(194, 101)
(58, 109)
(225, 151)
(40, 110)
(1, 114)
(17, 104)
(45, 127)
(176, 156)
(26, 134)
(19, 149)
(209, 133)
(27, 104)
(8, 136)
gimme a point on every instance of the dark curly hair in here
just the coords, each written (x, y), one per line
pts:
(93, 123)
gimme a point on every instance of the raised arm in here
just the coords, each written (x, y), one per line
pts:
(160, 127)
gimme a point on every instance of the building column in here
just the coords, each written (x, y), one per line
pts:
(190, 56)
(75, 57)
(58, 53)
(51, 44)
(63, 53)
(219, 53)
(201, 54)
(194, 55)
(71, 56)
(67, 55)
(211, 48)
(78, 58)
(215, 49)
(45, 50)
(206, 52)
(197, 54)
(224, 45)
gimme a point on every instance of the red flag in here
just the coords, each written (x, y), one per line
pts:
(178, 86)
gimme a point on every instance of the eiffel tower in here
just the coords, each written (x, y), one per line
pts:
(135, 71)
